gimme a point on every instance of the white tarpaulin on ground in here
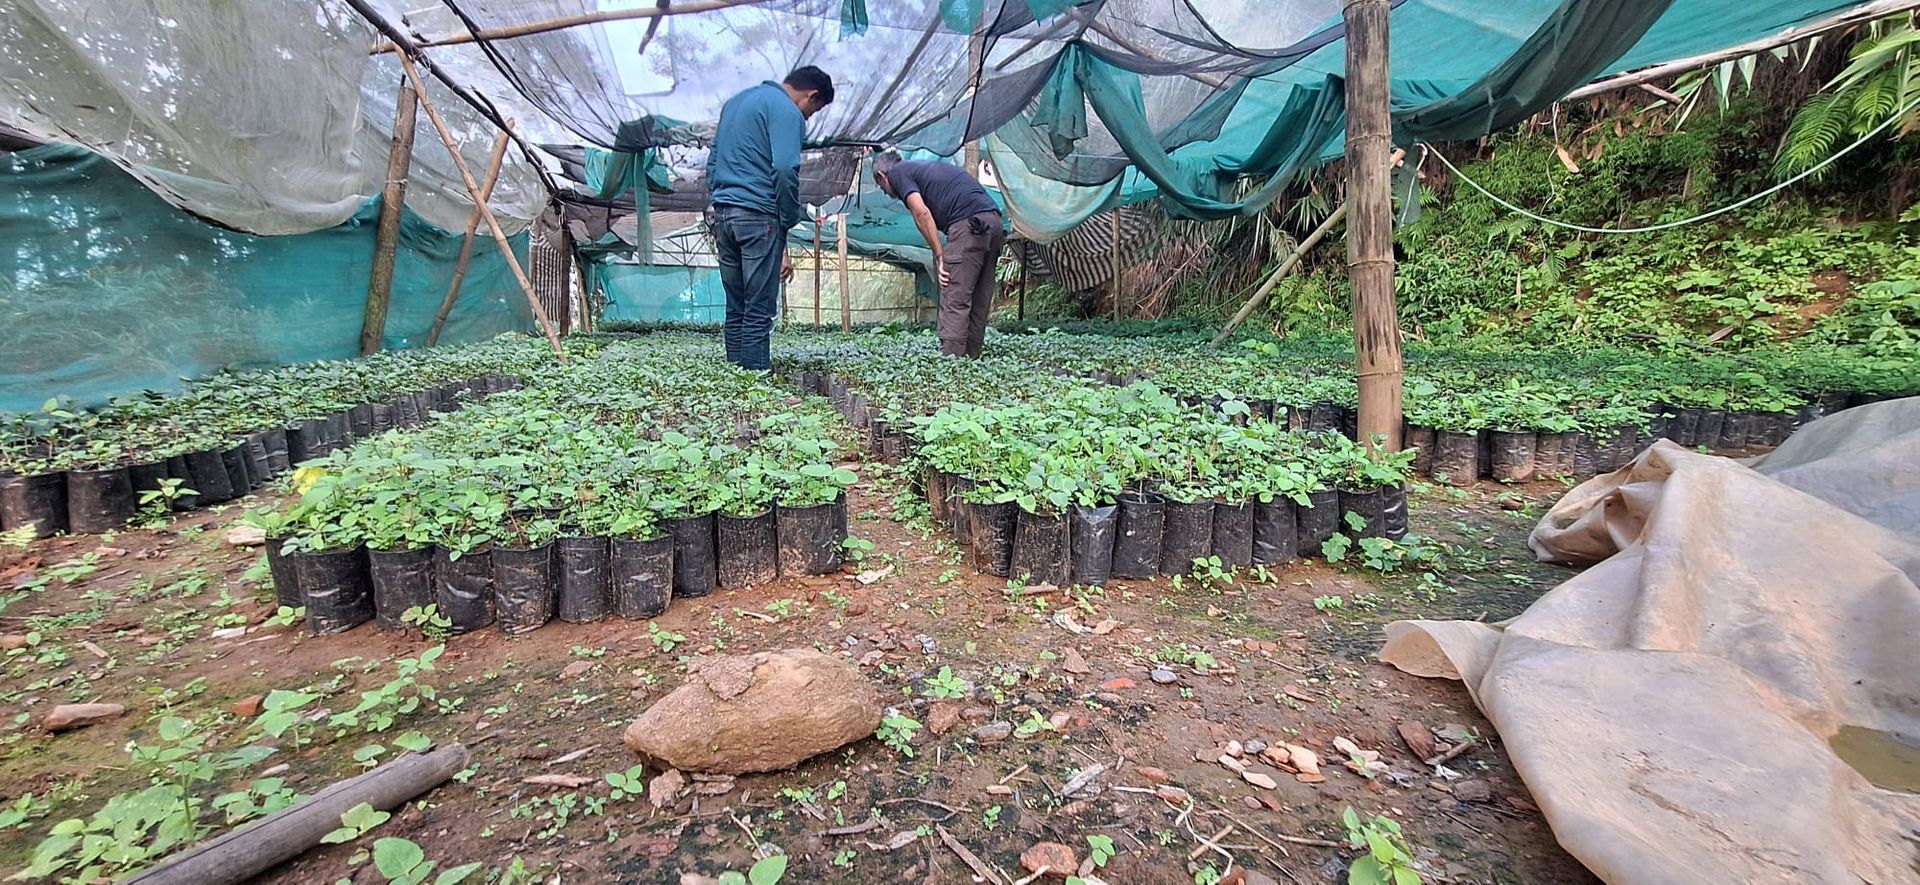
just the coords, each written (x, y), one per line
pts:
(1671, 707)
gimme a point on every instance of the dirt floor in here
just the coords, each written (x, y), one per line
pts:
(172, 622)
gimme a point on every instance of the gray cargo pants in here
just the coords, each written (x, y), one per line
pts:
(972, 253)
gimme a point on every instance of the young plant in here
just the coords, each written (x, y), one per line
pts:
(1388, 861)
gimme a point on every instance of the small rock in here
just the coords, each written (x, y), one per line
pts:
(857, 609)
(1107, 697)
(1522, 803)
(13, 642)
(1232, 763)
(1306, 778)
(1072, 662)
(1059, 720)
(1171, 794)
(999, 790)
(1254, 877)
(249, 706)
(993, 732)
(1235, 876)
(1276, 757)
(943, 717)
(1235, 750)
(1206, 755)
(664, 790)
(1155, 775)
(1507, 503)
(1056, 859)
(1104, 627)
(68, 717)
(976, 714)
(1251, 803)
(1454, 733)
(872, 575)
(761, 712)
(927, 644)
(1259, 780)
(246, 536)
(1163, 676)
(228, 633)
(1473, 791)
(575, 669)
(1419, 739)
(1307, 761)
(1120, 683)
(1034, 697)
(1255, 747)
(1271, 803)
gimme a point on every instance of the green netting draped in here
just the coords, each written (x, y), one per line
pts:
(107, 289)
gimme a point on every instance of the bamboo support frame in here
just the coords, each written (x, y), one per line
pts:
(818, 259)
(1376, 324)
(1273, 281)
(572, 21)
(1114, 253)
(494, 164)
(846, 300)
(486, 214)
(386, 238)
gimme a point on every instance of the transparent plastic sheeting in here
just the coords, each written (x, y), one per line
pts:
(691, 294)
(268, 116)
(105, 289)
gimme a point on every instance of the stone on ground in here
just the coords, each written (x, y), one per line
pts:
(760, 712)
(67, 717)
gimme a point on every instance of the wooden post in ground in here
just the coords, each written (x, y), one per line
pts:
(1116, 263)
(386, 237)
(1376, 322)
(486, 214)
(1021, 315)
(846, 301)
(817, 260)
(466, 245)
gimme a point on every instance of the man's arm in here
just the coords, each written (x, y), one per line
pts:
(785, 131)
(923, 219)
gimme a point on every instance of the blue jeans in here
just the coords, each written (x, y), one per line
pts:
(752, 249)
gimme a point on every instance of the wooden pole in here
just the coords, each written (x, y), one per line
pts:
(245, 853)
(466, 246)
(486, 214)
(386, 237)
(573, 21)
(1021, 315)
(818, 259)
(970, 156)
(846, 300)
(1376, 324)
(1115, 255)
(1851, 16)
(1293, 258)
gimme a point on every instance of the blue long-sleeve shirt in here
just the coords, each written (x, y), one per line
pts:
(755, 160)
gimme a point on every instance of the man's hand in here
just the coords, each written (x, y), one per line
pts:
(946, 279)
(786, 268)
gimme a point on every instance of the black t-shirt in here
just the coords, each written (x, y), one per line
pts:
(951, 194)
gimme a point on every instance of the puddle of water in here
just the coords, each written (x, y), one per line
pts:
(1887, 760)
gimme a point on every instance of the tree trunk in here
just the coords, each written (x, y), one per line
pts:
(1376, 325)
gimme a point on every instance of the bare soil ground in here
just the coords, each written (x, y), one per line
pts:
(132, 619)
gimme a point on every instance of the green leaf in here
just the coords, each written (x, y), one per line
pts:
(343, 834)
(768, 871)
(456, 874)
(396, 857)
(1366, 871)
(732, 877)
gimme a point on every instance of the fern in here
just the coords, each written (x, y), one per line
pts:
(1882, 77)
(1816, 128)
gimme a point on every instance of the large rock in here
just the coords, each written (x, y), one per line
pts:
(68, 717)
(759, 712)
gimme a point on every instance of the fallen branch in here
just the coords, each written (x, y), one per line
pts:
(1297, 840)
(245, 853)
(562, 760)
(1450, 755)
(1300, 251)
(865, 826)
(1210, 844)
(973, 862)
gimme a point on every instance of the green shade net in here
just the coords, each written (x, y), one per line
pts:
(659, 293)
(107, 289)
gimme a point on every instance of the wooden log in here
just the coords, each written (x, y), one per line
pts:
(386, 237)
(1376, 324)
(249, 851)
(486, 214)
(846, 299)
(494, 163)
(1300, 251)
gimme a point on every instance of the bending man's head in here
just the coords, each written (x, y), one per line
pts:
(883, 164)
(810, 88)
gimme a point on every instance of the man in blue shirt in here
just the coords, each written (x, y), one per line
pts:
(753, 175)
(943, 197)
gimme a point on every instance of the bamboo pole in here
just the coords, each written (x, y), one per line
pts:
(1845, 18)
(386, 237)
(818, 259)
(1115, 255)
(1376, 325)
(846, 300)
(1021, 315)
(486, 214)
(494, 165)
(1273, 281)
(572, 21)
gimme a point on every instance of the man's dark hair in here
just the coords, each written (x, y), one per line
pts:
(810, 77)
(884, 162)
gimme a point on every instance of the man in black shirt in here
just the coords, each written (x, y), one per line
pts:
(943, 197)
